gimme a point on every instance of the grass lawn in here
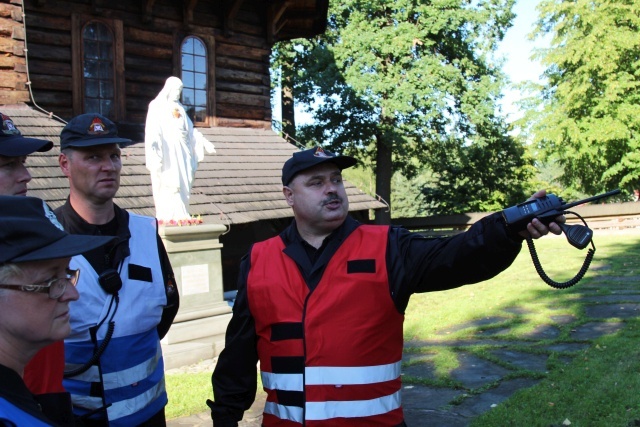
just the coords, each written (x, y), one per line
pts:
(597, 388)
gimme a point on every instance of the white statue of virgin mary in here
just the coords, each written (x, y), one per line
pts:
(173, 149)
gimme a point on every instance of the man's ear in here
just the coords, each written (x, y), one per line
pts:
(288, 195)
(63, 161)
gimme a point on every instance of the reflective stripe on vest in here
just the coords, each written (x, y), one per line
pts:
(123, 408)
(332, 375)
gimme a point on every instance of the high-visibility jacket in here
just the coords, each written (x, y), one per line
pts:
(331, 356)
(130, 372)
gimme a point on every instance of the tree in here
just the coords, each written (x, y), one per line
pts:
(282, 67)
(394, 82)
(588, 118)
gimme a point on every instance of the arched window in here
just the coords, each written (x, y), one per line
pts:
(194, 78)
(98, 69)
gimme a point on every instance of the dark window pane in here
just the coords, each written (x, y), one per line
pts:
(106, 70)
(92, 88)
(98, 69)
(106, 89)
(90, 68)
(106, 51)
(106, 106)
(91, 49)
(89, 32)
(91, 105)
(103, 33)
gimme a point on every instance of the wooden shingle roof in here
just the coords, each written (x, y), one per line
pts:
(240, 183)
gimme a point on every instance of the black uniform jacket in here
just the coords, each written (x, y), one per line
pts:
(14, 390)
(414, 264)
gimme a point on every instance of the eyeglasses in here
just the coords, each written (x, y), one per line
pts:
(54, 287)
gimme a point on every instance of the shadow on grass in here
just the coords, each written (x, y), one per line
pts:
(514, 326)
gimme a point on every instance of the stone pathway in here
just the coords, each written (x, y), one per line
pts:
(479, 383)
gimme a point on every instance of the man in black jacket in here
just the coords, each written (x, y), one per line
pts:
(321, 306)
(129, 294)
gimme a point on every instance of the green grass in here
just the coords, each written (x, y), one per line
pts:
(188, 394)
(597, 388)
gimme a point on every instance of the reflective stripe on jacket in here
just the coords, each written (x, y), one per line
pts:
(329, 357)
(131, 369)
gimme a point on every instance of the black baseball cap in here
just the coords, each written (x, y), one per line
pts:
(306, 159)
(13, 144)
(28, 233)
(89, 129)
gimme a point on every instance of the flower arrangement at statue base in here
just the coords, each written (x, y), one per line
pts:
(181, 222)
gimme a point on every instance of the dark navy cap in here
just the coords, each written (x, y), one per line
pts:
(89, 129)
(13, 144)
(306, 159)
(28, 233)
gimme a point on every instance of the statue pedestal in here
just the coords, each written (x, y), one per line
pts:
(198, 330)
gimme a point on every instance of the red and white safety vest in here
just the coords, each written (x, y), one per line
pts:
(330, 357)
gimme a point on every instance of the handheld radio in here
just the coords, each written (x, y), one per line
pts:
(547, 209)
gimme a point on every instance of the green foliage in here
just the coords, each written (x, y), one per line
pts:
(588, 118)
(419, 79)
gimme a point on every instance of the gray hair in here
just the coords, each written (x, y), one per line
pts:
(7, 271)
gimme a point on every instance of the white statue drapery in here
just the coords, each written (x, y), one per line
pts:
(173, 149)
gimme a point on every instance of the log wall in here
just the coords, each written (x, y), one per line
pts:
(241, 94)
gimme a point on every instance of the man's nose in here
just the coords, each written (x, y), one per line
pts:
(23, 174)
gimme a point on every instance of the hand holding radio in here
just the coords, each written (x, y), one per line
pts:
(548, 209)
(537, 228)
(529, 219)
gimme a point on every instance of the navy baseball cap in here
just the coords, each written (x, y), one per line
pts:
(28, 233)
(306, 159)
(13, 144)
(89, 129)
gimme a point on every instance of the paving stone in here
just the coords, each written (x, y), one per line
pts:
(423, 369)
(522, 360)
(417, 397)
(617, 297)
(544, 332)
(477, 404)
(474, 372)
(608, 311)
(562, 347)
(593, 330)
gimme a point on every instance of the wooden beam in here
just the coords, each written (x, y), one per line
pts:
(231, 8)
(276, 10)
(147, 10)
(189, 6)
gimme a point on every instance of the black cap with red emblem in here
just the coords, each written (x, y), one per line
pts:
(91, 129)
(312, 157)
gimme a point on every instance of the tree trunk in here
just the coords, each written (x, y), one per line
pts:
(383, 180)
(286, 96)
